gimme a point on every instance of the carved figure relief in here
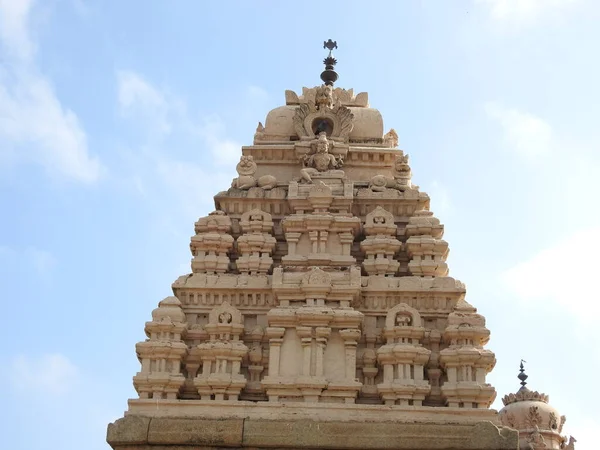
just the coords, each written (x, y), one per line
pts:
(323, 115)
(390, 139)
(246, 169)
(319, 159)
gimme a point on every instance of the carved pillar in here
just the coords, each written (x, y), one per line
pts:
(350, 337)
(305, 335)
(275, 335)
(322, 334)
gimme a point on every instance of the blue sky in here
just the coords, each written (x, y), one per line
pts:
(120, 120)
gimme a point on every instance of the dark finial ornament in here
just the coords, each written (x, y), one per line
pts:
(522, 376)
(329, 75)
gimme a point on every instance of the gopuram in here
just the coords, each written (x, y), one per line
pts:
(319, 313)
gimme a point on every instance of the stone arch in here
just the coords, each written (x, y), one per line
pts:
(379, 216)
(225, 314)
(402, 309)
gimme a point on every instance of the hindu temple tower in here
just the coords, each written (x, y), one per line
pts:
(319, 312)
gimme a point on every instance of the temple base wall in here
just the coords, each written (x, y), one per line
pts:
(154, 426)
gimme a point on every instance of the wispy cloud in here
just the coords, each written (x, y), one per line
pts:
(50, 374)
(14, 17)
(34, 126)
(523, 10)
(159, 113)
(141, 101)
(528, 135)
(563, 274)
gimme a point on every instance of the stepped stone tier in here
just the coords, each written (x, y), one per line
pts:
(319, 312)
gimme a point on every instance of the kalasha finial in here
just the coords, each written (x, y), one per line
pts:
(329, 75)
(522, 376)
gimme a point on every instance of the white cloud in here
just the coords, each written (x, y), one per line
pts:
(564, 274)
(528, 135)
(225, 152)
(14, 15)
(159, 110)
(193, 184)
(523, 10)
(140, 100)
(51, 373)
(34, 126)
(153, 108)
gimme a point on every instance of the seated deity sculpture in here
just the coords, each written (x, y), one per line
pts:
(320, 160)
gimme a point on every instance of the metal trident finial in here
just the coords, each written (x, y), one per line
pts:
(330, 45)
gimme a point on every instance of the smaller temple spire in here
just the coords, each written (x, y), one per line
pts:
(522, 375)
(329, 75)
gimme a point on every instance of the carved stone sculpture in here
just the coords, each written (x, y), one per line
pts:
(246, 169)
(256, 244)
(222, 355)
(403, 358)
(390, 139)
(323, 115)
(212, 243)
(319, 159)
(161, 355)
(381, 244)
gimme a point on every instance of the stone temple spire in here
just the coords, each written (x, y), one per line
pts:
(318, 311)
(329, 75)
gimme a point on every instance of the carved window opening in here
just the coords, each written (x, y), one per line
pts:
(322, 124)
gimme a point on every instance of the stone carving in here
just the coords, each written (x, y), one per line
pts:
(466, 333)
(255, 360)
(316, 276)
(259, 135)
(246, 169)
(533, 418)
(342, 96)
(403, 358)
(323, 115)
(222, 355)
(535, 440)
(319, 159)
(163, 353)
(427, 252)
(324, 98)
(539, 424)
(379, 183)
(212, 243)
(570, 445)
(402, 173)
(256, 244)
(401, 180)
(390, 139)
(381, 244)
